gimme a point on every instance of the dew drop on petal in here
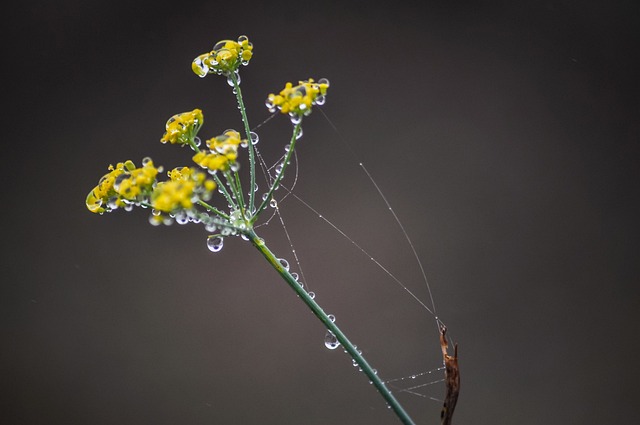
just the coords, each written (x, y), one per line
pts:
(330, 341)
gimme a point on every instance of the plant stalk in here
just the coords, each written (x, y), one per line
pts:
(247, 130)
(331, 326)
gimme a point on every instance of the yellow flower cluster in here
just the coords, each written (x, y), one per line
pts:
(123, 183)
(223, 151)
(182, 128)
(225, 58)
(185, 185)
(297, 100)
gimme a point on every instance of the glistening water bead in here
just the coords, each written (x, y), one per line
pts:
(330, 341)
(215, 243)
(284, 263)
(254, 138)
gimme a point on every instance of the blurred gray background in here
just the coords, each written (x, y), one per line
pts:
(504, 134)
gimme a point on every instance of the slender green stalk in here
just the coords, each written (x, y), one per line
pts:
(214, 210)
(225, 192)
(247, 130)
(233, 180)
(331, 326)
(287, 159)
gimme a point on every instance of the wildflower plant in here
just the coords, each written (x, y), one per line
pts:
(183, 195)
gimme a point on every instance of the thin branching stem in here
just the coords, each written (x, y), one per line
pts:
(331, 326)
(276, 182)
(247, 130)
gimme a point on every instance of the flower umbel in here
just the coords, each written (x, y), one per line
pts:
(298, 100)
(122, 186)
(225, 58)
(223, 151)
(186, 185)
(182, 128)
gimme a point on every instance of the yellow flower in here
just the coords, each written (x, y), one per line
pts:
(182, 128)
(225, 58)
(171, 195)
(185, 187)
(298, 100)
(223, 151)
(121, 184)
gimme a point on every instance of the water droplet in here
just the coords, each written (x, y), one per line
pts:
(299, 135)
(182, 218)
(320, 100)
(330, 341)
(324, 81)
(284, 263)
(312, 295)
(273, 203)
(112, 203)
(146, 160)
(215, 243)
(153, 220)
(254, 138)
(197, 141)
(295, 275)
(295, 118)
(118, 181)
(234, 166)
(332, 317)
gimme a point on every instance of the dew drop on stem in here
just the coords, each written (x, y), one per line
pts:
(284, 263)
(330, 341)
(254, 138)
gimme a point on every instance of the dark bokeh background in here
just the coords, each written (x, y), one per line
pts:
(506, 137)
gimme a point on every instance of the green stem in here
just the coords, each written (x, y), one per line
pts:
(234, 184)
(247, 130)
(213, 210)
(225, 192)
(331, 326)
(276, 182)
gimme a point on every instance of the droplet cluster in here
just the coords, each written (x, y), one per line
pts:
(297, 101)
(225, 58)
